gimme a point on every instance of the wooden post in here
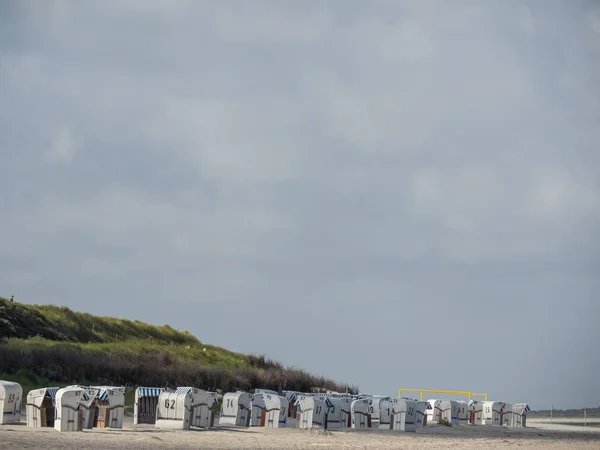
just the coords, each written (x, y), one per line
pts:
(551, 408)
(584, 417)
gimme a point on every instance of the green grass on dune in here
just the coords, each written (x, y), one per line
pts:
(62, 324)
(55, 346)
(203, 355)
(51, 325)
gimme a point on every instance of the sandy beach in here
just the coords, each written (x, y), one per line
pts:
(540, 434)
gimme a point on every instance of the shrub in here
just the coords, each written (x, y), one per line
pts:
(158, 365)
(64, 346)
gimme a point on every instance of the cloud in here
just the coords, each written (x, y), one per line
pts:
(226, 140)
(593, 21)
(404, 41)
(62, 147)
(527, 21)
(555, 194)
(264, 22)
(377, 169)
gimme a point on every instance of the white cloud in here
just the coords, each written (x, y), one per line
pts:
(408, 110)
(426, 187)
(49, 15)
(17, 67)
(115, 212)
(370, 120)
(463, 202)
(526, 20)
(105, 268)
(159, 7)
(593, 21)
(232, 141)
(233, 233)
(236, 153)
(555, 194)
(245, 22)
(473, 207)
(63, 148)
(407, 40)
(125, 215)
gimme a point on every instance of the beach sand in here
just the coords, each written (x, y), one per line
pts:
(539, 435)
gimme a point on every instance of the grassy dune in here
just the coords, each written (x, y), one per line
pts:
(49, 345)
(62, 324)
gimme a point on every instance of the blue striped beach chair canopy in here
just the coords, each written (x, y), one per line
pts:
(102, 391)
(149, 392)
(52, 392)
(184, 390)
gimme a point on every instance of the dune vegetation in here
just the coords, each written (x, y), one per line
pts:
(50, 345)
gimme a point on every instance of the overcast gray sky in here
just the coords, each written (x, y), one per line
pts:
(390, 193)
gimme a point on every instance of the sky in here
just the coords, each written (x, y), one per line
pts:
(389, 193)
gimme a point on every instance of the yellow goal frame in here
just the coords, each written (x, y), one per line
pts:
(469, 394)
